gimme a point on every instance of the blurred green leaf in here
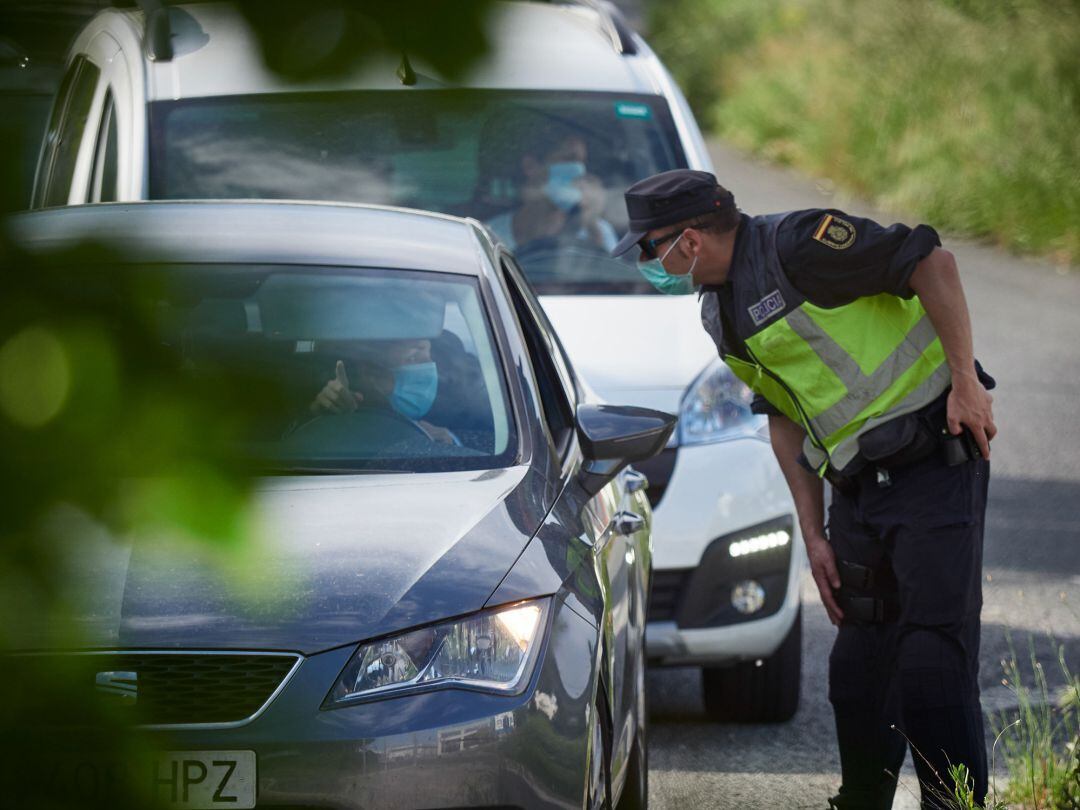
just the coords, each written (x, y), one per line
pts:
(104, 438)
(327, 38)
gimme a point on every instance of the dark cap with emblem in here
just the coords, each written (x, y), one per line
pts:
(670, 197)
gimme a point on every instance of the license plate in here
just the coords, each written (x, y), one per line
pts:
(193, 780)
(202, 780)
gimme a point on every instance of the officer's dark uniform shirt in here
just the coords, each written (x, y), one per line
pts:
(880, 260)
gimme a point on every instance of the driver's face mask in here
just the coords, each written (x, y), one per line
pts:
(415, 387)
(666, 282)
(562, 187)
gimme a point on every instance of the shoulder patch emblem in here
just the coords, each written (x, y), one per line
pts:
(835, 232)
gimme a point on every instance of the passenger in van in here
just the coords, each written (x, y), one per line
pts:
(558, 198)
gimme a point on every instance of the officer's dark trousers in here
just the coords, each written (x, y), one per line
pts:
(923, 534)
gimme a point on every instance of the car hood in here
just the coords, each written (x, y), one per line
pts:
(338, 559)
(633, 349)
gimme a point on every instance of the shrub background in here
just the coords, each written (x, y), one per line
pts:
(963, 112)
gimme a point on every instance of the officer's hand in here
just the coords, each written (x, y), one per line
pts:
(335, 396)
(970, 404)
(823, 569)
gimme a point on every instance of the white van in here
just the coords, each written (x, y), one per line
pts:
(539, 141)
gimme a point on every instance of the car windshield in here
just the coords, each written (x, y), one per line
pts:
(370, 369)
(545, 171)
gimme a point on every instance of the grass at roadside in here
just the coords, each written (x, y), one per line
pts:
(1040, 739)
(963, 112)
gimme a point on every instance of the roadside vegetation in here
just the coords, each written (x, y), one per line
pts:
(1038, 741)
(965, 113)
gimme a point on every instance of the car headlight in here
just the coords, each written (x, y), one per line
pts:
(493, 650)
(716, 406)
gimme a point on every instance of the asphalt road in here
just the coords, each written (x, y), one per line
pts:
(1027, 334)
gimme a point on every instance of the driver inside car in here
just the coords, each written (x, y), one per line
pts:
(558, 198)
(400, 374)
(372, 349)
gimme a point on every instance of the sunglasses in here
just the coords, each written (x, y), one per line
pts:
(648, 246)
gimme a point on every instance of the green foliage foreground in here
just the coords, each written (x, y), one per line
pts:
(963, 112)
(104, 440)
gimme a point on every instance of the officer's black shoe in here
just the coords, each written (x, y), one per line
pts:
(881, 800)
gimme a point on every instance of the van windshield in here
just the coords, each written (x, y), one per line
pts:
(545, 171)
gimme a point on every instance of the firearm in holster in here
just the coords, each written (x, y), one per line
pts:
(960, 449)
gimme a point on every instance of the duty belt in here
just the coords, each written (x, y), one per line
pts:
(953, 449)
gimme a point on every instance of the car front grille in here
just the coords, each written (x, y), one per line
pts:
(179, 688)
(666, 593)
(701, 597)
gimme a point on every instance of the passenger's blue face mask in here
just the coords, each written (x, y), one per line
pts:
(665, 282)
(415, 386)
(562, 187)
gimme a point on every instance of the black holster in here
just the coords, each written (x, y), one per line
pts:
(864, 595)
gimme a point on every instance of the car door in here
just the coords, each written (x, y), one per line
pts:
(624, 520)
(621, 531)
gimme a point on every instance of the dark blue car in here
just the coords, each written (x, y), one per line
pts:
(446, 602)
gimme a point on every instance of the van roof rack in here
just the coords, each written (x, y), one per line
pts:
(157, 32)
(613, 22)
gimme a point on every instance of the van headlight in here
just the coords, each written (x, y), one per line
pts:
(492, 651)
(716, 406)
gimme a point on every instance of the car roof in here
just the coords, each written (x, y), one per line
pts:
(266, 231)
(535, 46)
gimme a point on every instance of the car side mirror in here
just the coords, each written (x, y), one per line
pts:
(612, 436)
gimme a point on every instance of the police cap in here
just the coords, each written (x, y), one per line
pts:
(670, 197)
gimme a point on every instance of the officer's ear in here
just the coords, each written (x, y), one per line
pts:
(692, 242)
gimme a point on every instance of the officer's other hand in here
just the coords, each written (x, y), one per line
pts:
(336, 397)
(970, 404)
(823, 569)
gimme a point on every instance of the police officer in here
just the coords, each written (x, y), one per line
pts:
(857, 342)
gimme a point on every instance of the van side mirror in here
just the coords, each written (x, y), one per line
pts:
(612, 436)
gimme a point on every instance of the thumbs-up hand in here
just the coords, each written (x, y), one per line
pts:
(335, 396)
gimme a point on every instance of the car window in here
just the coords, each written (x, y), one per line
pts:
(364, 369)
(66, 130)
(551, 338)
(546, 171)
(558, 412)
(104, 183)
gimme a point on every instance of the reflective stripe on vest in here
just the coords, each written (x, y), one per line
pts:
(826, 388)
